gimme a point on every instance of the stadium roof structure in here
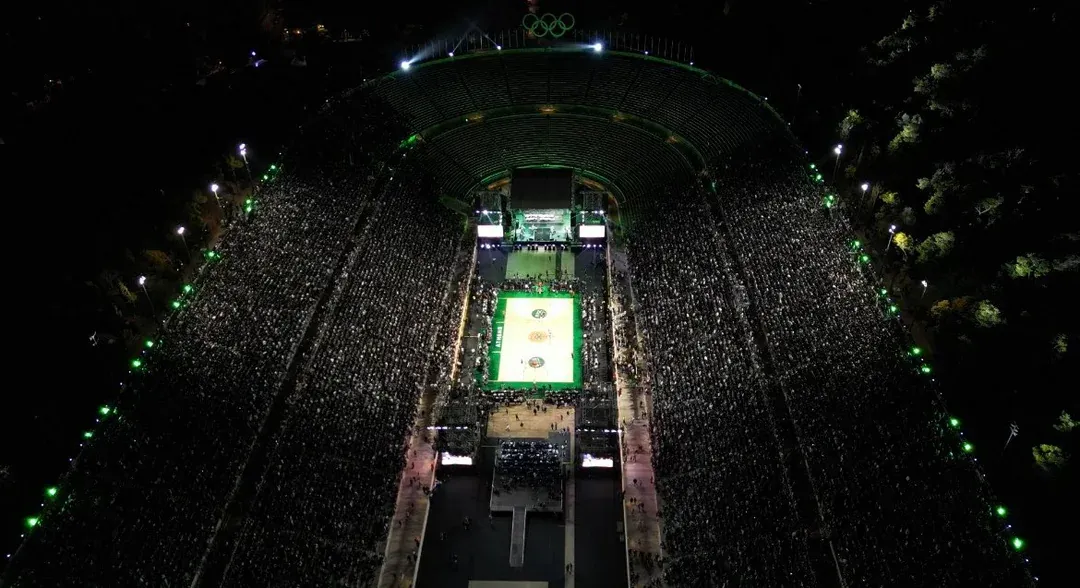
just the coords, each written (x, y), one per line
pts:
(624, 118)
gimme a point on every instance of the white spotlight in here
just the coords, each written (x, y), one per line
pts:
(451, 54)
(838, 149)
(498, 47)
(865, 186)
(405, 65)
(598, 47)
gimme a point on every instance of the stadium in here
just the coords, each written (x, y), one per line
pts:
(530, 313)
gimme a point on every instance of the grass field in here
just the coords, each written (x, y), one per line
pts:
(536, 341)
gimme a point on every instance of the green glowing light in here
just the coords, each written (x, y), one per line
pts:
(855, 244)
(149, 343)
(32, 522)
(87, 434)
(175, 304)
(812, 166)
(51, 491)
(272, 166)
(265, 177)
(1001, 511)
(884, 292)
(828, 205)
(968, 447)
(136, 363)
(916, 351)
(925, 369)
(248, 209)
(954, 422)
(188, 288)
(893, 308)
(864, 258)
(818, 177)
(104, 410)
(1017, 543)
(248, 202)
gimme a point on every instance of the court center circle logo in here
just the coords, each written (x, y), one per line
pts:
(539, 313)
(535, 362)
(538, 336)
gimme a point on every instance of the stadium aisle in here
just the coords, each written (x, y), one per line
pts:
(411, 511)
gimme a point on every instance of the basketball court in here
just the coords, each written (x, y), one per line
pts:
(536, 341)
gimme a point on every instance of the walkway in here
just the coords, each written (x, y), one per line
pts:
(410, 515)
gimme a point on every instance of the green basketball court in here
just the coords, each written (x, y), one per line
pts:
(536, 341)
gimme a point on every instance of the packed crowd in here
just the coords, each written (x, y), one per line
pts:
(328, 496)
(728, 513)
(530, 465)
(142, 500)
(766, 344)
(899, 499)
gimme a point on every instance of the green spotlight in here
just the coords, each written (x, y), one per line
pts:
(175, 304)
(968, 447)
(954, 422)
(1017, 543)
(188, 288)
(87, 434)
(32, 522)
(104, 410)
(265, 177)
(855, 244)
(925, 369)
(136, 363)
(149, 343)
(916, 351)
(1001, 511)
(272, 166)
(894, 309)
(884, 292)
(864, 258)
(51, 491)
(812, 166)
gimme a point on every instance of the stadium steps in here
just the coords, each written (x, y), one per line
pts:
(807, 502)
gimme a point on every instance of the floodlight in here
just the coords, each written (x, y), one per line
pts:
(865, 186)
(498, 47)
(838, 149)
(142, 280)
(180, 231)
(451, 54)
(405, 65)
(598, 47)
(214, 187)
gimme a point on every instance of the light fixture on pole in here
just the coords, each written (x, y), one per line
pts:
(142, 284)
(242, 148)
(865, 186)
(180, 231)
(923, 289)
(892, 231)
(214, 188)
(837, 150)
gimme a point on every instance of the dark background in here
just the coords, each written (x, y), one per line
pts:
(108, 131)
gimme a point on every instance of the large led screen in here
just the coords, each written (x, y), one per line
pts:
(591, 231)
(495, 231)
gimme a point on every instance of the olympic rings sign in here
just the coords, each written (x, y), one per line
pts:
(548, 24)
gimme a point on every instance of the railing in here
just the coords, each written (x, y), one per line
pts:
(520, 38)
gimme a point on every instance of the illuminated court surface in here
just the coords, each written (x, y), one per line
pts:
(535, 341)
